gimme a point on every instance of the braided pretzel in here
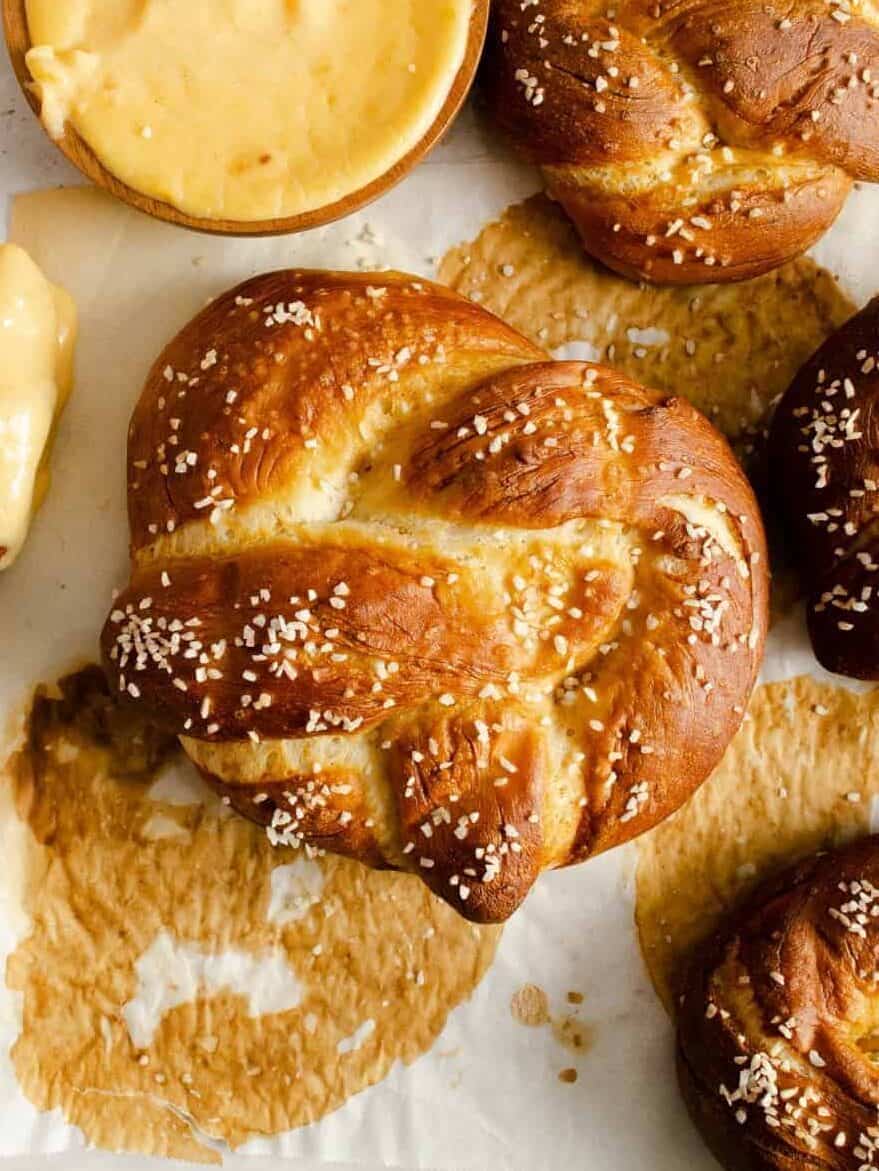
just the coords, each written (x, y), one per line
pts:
(776, 1029)
(691, 140)
(414, 594)
(824, 453)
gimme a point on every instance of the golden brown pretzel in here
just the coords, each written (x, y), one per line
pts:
(824, 457)
(691, 140)
(415, 594)
(778, 1022)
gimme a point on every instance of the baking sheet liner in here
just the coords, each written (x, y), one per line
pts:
(489, 1093)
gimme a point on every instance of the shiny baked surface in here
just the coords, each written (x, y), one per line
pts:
(414, 594)
(691, 140)
(825, 459)
(778, 1019)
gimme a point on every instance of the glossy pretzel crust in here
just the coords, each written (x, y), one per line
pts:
(691, 140)
(412, 593)
(824, 460)
(776, 1032)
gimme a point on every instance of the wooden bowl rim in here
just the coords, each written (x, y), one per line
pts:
(81, 155)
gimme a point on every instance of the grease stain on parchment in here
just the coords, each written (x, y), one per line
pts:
(801, 776)
(183, 988)
(530, 1007)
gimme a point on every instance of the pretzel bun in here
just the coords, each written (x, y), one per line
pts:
(824, 459)
(777, 1020)
(691, 140)
(412, 593)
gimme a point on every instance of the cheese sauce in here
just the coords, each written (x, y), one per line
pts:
(246, 109)
(37, 335)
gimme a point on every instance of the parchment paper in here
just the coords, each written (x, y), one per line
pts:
(489, 1094)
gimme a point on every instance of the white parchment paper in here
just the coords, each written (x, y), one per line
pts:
(488, 1095)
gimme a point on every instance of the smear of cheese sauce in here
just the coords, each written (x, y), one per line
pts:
(37, 335)
(246, 109)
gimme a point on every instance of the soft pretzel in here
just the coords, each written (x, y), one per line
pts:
(412, 593)
(824, 457)
(691, 140)
(776, 1029)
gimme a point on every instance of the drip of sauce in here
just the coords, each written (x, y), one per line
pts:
(246, 109)
(37, 336)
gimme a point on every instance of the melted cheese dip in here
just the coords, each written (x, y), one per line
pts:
(246, 109)
(37, 333)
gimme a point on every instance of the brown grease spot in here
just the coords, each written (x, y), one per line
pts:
(783, 791)
(568, 1076)
(99, 885)
(572, 1033)
(530, 1006)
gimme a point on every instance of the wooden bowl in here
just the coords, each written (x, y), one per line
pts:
(84, 159)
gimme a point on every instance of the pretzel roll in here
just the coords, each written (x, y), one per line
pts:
(414, 594)
(691, 140)
(778, 1019)
(824, 456)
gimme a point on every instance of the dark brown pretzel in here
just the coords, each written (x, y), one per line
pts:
(825, 468)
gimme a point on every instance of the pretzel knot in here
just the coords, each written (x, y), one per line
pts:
(412, 593)
(777, 1017)
(691, 140)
